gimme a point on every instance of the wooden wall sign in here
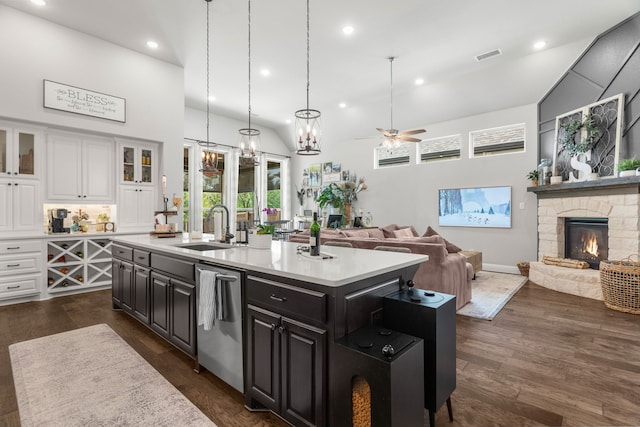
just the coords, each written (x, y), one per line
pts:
(58, 96)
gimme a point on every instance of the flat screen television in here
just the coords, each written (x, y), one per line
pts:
(475, 207)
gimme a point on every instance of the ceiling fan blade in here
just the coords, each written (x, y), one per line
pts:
(408, 138)
(412, 132)
(384, 132)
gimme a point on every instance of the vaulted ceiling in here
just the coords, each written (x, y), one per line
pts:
(433, 40)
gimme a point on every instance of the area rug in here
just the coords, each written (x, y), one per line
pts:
(92, 377)
(490, 292)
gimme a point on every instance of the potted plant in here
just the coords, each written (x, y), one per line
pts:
(262, 237)
(331, 195)
(628, 167)
(533, 176)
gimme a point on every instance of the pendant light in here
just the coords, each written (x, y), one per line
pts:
(308, 120)
(209, 158)
(249, 137)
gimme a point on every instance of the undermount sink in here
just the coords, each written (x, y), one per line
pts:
(203, 246)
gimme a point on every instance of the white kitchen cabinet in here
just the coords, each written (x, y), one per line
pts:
(20, 273)
(136, 208)
(20, 151)
(80, 168)
(137, 163)
(20, 209)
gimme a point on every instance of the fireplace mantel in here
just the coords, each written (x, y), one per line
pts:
(604, 186)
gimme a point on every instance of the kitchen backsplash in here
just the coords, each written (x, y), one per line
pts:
(93, 211)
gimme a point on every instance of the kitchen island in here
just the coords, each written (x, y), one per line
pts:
(294, 309)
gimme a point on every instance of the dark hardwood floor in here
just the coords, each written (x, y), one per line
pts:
(547, 359)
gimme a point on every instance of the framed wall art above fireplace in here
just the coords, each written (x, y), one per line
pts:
(603, 151)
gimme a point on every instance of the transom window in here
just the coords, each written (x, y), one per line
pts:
(500, 140)
(441, 148)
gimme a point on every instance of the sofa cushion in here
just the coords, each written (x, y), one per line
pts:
(354, 233)
(402, 233)
(375, 233)
(389, 229)
(451, 248)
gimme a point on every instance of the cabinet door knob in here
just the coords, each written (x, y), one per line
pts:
(8, 183)
(79, 196)
(273, 326)
(85, 196)
(282, 329)
(15, 183)
(15, 173)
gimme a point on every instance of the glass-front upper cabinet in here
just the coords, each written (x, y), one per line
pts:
(138, 163)
(19, 151)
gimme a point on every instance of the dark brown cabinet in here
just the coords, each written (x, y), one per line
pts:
(141, 293)
(286, 358)
(165, 302)
(122, 279)
(173, 311)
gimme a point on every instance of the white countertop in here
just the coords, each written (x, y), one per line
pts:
(346, 266)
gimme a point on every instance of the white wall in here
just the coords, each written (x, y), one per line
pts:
(224, 130)
(409, 194)
(33, 49)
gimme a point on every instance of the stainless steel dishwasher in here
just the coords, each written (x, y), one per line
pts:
(220, 348)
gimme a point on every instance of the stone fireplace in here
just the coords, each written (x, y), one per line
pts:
(615, 200)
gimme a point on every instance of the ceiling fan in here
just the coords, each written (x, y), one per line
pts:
(392, 137)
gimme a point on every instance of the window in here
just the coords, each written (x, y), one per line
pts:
(501, 140)
(436, 149)
(392, 157)
(246, 187)
(273, 185)
(185, 189)
(212, 192)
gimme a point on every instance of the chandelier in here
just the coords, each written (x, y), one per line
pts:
(308, 120)
(209, 157)
(249, 137)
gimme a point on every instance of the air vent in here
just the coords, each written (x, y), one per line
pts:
(488, 55)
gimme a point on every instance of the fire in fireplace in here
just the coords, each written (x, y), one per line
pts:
(587, 239)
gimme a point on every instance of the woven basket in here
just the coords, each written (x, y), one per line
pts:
(524, 268)
(620, 281)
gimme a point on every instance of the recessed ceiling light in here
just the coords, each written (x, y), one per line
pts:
(347, 29)
(342, 105)
(265, 72)
(211, 98)
(39, 2)
(152, 45)
(288, 121)
(419, 81)
(539, 45)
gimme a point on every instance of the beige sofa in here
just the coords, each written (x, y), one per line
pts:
(446, 272)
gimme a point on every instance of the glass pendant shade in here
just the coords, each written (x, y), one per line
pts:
(308, 132)
(249, 145)
(209, 160)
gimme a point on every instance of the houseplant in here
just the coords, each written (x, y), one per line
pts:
(533, 176)
(628, 167)
(331, 195)
(262, 237)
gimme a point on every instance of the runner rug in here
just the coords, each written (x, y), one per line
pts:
(490, 292)
(92, 377)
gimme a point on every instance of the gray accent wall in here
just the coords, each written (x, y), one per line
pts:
(609, 66)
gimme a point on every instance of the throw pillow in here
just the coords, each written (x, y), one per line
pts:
(451, 248)
(403, 233)
(389, 229)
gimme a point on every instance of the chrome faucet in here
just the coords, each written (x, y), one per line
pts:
(227, 232)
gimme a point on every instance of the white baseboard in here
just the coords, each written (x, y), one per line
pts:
(510, 269)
